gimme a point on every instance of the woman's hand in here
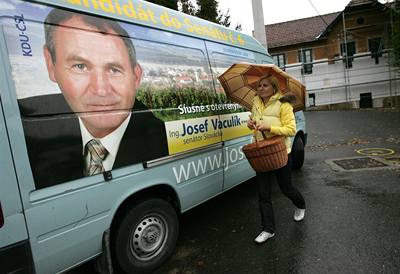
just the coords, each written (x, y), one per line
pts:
(251, 124)
(262, 127)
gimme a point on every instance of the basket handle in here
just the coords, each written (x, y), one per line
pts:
(255, 136)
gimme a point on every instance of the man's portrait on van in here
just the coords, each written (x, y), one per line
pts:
(95, 124)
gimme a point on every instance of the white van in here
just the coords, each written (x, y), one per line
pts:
(112, 124)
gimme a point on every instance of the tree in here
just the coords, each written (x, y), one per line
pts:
(187, 7)
(172, 4)
(208, 10)
(238, 27)
(224, 19)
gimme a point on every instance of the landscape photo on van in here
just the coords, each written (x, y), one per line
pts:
(87, 109)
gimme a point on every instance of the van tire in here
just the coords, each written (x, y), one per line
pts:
(146, 236)
(297, 153)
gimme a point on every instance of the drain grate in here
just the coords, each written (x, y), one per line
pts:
(358, 163)
(362, 163)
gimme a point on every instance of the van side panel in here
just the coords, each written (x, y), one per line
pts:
(14, 246)
(236, 167)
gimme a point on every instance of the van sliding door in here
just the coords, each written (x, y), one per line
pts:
(236, 134)
(177, 86)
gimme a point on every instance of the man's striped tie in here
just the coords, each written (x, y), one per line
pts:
(97, 154)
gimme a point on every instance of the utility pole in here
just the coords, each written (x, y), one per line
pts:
(259, 27)
(347, 64)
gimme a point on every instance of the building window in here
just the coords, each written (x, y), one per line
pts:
(348, 50)
(360, 20)
(280, 60)
(366, 100)
(376, 46)
(305, 57)
(311, 99)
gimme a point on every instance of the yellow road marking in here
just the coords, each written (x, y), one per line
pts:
(375, 151)
(392, 159)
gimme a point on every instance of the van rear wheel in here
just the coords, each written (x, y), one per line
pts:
(146, 236)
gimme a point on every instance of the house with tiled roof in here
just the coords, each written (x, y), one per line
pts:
(342, 57)
(287, 37)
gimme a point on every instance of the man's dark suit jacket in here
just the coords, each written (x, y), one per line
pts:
(54, 141)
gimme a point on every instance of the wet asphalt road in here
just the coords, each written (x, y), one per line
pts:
(352, 222)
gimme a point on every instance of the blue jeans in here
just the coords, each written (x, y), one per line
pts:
(264, 182)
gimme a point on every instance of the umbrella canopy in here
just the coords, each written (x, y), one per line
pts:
(240, 83)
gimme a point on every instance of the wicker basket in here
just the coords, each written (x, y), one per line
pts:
(266, 155)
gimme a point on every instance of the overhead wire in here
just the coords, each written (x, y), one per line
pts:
(322, 18)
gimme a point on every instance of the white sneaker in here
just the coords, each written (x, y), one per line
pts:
(299, 214)
(263, 236)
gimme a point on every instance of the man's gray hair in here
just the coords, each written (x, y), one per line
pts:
(56, 17)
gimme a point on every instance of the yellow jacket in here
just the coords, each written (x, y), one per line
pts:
(276, 114)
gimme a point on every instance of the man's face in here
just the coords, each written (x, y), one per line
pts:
(95, 75)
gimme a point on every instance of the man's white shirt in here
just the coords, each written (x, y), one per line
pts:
(110, 142)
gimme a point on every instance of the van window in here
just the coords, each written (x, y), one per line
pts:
(174, 77)
(221, 62)
(168, 66)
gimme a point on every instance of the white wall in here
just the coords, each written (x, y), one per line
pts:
(333, 83)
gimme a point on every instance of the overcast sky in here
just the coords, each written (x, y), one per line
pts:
(276, 11)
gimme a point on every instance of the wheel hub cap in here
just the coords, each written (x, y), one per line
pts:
(149, 237)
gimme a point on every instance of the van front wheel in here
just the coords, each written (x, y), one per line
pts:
(146, 236)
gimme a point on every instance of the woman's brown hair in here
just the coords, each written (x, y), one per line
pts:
(287, 98)
(273, 81)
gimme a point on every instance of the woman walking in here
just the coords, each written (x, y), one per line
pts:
(273, 114)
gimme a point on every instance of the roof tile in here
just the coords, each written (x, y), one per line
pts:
(298, 31)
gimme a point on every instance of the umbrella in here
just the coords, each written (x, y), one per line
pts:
(240, 83)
